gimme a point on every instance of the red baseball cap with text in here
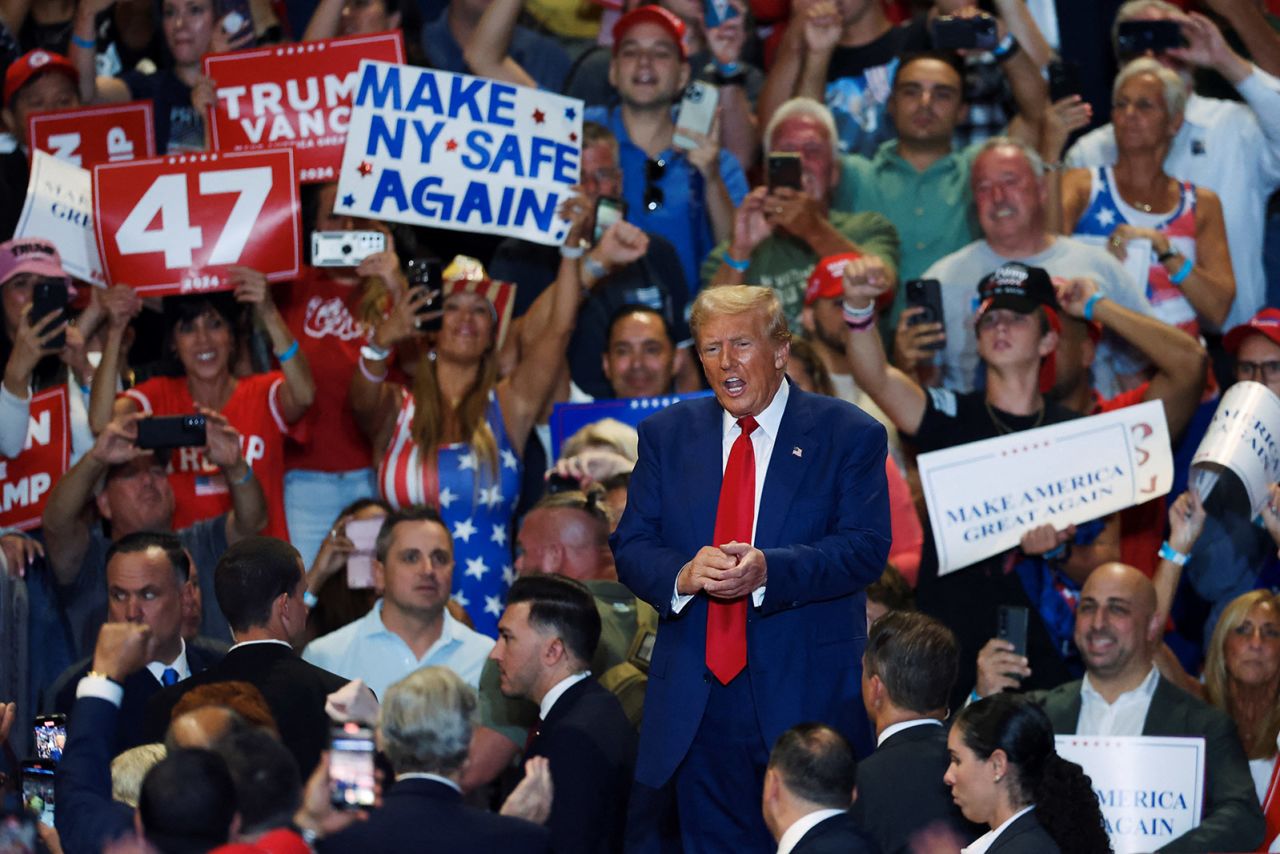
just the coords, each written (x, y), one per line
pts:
(1265, 322)
(651, 15)
(827, 279)
(31, 65)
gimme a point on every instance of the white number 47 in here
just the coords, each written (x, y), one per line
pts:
(175, 236)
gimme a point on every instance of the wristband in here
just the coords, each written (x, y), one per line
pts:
(1167, 254)
(310, 599)
(374, 353)
(87, 44)
(373, 378)
(860, 325)
(289, 352)
(1056, 553)
(1089, 304)
(594, 268)
(1008, 47)
(248, 476)
(573, 253)
(1181, 276)
(728, 68)
(853, 315)
(1169, 553)
(735, 264)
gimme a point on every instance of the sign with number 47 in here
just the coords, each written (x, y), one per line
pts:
(174, 225)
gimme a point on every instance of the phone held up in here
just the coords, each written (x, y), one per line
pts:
(351, 768)
(926, 294)
(784, 170)
(697, 112)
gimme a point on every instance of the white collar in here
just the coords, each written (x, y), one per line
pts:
(373, 624)
(263, 640)
(771, 418)
(424, 775)
(179, 664)
(1146, 689)
(894, 729)
(557, 691)
(793, 834)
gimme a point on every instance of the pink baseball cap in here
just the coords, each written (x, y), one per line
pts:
(30, 255)
(33, 63)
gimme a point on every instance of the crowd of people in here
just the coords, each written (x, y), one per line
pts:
(377, 606)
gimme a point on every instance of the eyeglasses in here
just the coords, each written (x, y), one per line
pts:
(604, 175)
(653, 172)
(1267, 371)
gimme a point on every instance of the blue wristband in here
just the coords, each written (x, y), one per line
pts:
(1181, 276)
(1172, 555)
(740, 266)
(289, 353)
(727, 69)
(1089, 304)
(1056, 553)
(87, 44)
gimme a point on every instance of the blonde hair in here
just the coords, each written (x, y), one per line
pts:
(740, 299)
(607, 433)
(128, 769)
(1218, 682)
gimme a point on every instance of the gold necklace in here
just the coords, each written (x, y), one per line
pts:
(1005, 428)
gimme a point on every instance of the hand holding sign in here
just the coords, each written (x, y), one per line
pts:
(1186, 521)
(1271, 513)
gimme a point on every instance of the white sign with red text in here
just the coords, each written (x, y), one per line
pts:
(59, 208)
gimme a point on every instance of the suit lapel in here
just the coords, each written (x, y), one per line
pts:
(1165, 703)
(785, 472)
(703, 464)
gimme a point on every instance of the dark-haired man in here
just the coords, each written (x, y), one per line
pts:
(908, 671)
(148, 576)
(546, 639)
(409, 627)
(259, 584)
(807, 790)
(640, 359)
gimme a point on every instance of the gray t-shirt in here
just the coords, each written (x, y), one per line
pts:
(960, 272)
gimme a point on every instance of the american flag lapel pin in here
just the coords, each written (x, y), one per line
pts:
(797, 451)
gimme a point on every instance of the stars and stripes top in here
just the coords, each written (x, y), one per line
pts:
(1107, 210)
(477, 507)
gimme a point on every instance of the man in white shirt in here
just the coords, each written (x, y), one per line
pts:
(1117, 632)
(1226, 146)
(409, 627)
(808, 787)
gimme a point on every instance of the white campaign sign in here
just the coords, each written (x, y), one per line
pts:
(1150, 788)
(983, 496)
(59, 208)
(447, 150)
(1244, 436)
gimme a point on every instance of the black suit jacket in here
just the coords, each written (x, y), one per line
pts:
(591, 747)
(839, 834)
(294, 689)
(900, 789)
(86, 816)
(1024, 836)
(1232, 819)
(139, 688)
(425, 815)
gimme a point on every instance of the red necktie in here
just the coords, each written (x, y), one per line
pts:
(735, 517)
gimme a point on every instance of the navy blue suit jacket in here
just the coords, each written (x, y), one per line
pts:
(823, 525)
(85, 814)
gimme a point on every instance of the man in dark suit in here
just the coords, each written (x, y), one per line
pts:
(259, 583)
(907, 674)
(1118, 631)
(546, 639)
(148, 579)
(807, 789)
(424, 730)
(757, 580)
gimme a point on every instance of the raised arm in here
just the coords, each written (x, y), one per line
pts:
(299, 387)
(374, 401)
(487, 52)
(1251, 25)
(93, 89)
(325, 21)
(248, 514)
(30, 345)
(121, 304)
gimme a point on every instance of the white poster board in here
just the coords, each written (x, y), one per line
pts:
(1244, 436)
(59, 208)
(983, 496)
(1150, 788)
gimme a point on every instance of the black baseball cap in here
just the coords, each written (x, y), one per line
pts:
(1016, 287)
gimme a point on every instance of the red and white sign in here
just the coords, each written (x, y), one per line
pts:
(174, 225)
(84, 136)
(25, 482)
(294, 96)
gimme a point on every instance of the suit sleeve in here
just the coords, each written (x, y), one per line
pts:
(86, 816)
(854, 553)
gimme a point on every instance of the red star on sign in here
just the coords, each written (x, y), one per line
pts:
(451, 145)
(538, 116)
(364, 168)
(573, 137)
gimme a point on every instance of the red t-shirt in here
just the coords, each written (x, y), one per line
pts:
(321, 313)
(199, 489)
(1142, 525)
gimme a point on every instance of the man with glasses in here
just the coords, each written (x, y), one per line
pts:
(685, 195)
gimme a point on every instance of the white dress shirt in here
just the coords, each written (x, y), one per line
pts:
(1125, 716)
(796, 832)
(986, 840)
(424, 775)
(113, 692)
(179, 664)
(894, 729)
(762, 446)
(557, 691)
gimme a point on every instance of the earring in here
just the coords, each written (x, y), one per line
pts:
(999, 777)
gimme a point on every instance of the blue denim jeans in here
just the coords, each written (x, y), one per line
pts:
(313, 500)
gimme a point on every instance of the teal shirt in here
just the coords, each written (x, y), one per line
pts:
(932, 210)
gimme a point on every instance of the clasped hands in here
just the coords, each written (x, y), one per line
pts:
(729, 571)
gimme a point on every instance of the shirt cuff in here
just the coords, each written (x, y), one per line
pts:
(757, 596)
(1257, 83)
(679, 600)
(102, 688)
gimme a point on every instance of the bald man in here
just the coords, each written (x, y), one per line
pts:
(1117, 632)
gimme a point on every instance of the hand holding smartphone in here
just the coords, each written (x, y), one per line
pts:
(172, 431)
(697, 112)
(50, 295)
(427, 274)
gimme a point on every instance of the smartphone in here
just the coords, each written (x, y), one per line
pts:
(716, 12)
(171, 431)
(1064, 79)
(952, 33)
(351, 776)
(37, 789)
(608, 211)
(363, 534)
(1134, 38)
(1011, 625)
(697, 112)
(345, 248)
(927, 294)
(50, 294)
(18, 833)
(427, 273)
(50, 736)
(237, 21)
(784, 170)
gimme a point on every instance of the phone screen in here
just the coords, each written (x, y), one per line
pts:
(608, 211)
(50, 736)
(37, 791)
(784, 170)
(351, 777)
(363, 534)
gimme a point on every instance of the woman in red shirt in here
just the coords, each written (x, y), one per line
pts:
(202, 337)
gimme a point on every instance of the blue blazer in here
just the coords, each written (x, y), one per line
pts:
(823, 525)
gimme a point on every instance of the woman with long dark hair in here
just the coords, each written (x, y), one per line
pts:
(1005, 773)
